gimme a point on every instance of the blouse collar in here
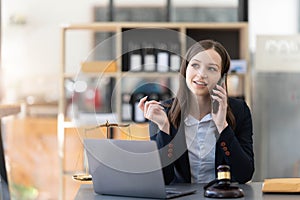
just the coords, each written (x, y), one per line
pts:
(191, 121)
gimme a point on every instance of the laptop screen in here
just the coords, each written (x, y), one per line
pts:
(128, 168)
(125, 167)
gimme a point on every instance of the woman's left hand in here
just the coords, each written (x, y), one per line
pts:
(220, 95)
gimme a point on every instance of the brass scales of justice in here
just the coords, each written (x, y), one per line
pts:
(87, 176)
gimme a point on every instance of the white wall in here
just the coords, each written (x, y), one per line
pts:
(272, 17)
(31, 52)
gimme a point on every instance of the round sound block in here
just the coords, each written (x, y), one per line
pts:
(223, 192)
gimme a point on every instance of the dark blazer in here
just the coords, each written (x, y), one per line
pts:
(233, 148)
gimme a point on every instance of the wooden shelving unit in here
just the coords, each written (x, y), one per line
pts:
(234, 36)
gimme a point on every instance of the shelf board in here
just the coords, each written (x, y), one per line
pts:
(91, 75)
(133, 74)
(216, 25)
(68, 124)
(149, 74)
(123, 74)
(115, 26)
(101, 27)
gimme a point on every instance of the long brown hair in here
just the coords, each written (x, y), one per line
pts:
(183, 95)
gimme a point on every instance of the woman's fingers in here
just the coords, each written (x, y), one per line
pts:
(141, 104)
(153, 107)
(219, 94)
(148, 103)
(150, 108)
(154, 112)
(221, 88)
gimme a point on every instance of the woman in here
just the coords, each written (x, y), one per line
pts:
(193, 140)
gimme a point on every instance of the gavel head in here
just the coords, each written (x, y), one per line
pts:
(223, 175)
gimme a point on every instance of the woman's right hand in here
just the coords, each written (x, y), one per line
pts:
(154, 112)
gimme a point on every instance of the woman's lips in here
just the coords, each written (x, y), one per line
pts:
(200, 83)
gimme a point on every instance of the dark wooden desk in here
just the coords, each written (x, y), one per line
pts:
(252, 192)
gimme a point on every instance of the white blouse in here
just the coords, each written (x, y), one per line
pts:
(201, 137)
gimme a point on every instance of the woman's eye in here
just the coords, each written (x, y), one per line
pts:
(195, 65)
(212, 68)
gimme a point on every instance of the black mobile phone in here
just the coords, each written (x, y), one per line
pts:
(215, 103)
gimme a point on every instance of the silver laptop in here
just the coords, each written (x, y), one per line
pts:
(128, 168)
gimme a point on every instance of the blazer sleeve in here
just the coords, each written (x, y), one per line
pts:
(162, 139)
(236, 146)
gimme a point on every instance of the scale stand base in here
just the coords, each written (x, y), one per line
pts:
(82, 177)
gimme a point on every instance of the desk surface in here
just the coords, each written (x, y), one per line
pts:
(252, 192)
(6, 110)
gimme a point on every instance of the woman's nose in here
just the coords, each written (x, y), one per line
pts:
(202, 73)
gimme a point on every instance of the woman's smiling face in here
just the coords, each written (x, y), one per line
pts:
(203, 72)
